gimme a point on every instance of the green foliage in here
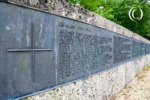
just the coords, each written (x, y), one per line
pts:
(142, 27)
(25, 99)
(117, 11)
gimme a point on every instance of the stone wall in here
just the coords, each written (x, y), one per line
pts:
(62, 8)
(101, 86)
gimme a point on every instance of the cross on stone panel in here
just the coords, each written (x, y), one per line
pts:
(27, 51)
(39, 50)
(32, 50)
(33, 57)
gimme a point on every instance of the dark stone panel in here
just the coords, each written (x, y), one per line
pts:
(39, 50)
(6, 27)
(20, 28)
(135, 48)
(43, 30)
(26, 57)
(2, 77)
(82, 50)
(146, 48)
(1, 68)
(1, 44)
(122, 49)
(44, 72)
(142, 49)
(4, 0)
(20, 79)
(17, 32)
(70, 51)
(103, 49)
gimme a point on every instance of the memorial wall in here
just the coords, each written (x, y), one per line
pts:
(40, 51)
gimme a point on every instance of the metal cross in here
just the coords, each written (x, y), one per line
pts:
(33, 50)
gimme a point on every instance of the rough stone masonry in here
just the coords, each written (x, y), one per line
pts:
(100, 86)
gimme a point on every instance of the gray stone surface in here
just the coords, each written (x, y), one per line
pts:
(26, 60)
(33, 2)
(62, 8)
(100, 86)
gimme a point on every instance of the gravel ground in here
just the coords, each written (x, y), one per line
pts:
(138, 89)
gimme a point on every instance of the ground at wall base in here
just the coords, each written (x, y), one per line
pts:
(138, 89)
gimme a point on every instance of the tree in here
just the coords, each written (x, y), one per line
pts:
(117, 11)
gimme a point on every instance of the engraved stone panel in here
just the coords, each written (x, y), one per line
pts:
(103, 49)
(146, 48)
(70, 51)
(28, 60)
(142, 49)
(39, 50)
(135, 48)
(83, 50)
(122, 49)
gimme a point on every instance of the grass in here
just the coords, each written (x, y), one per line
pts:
(147, 68)
(142, 74)
(24, 99)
